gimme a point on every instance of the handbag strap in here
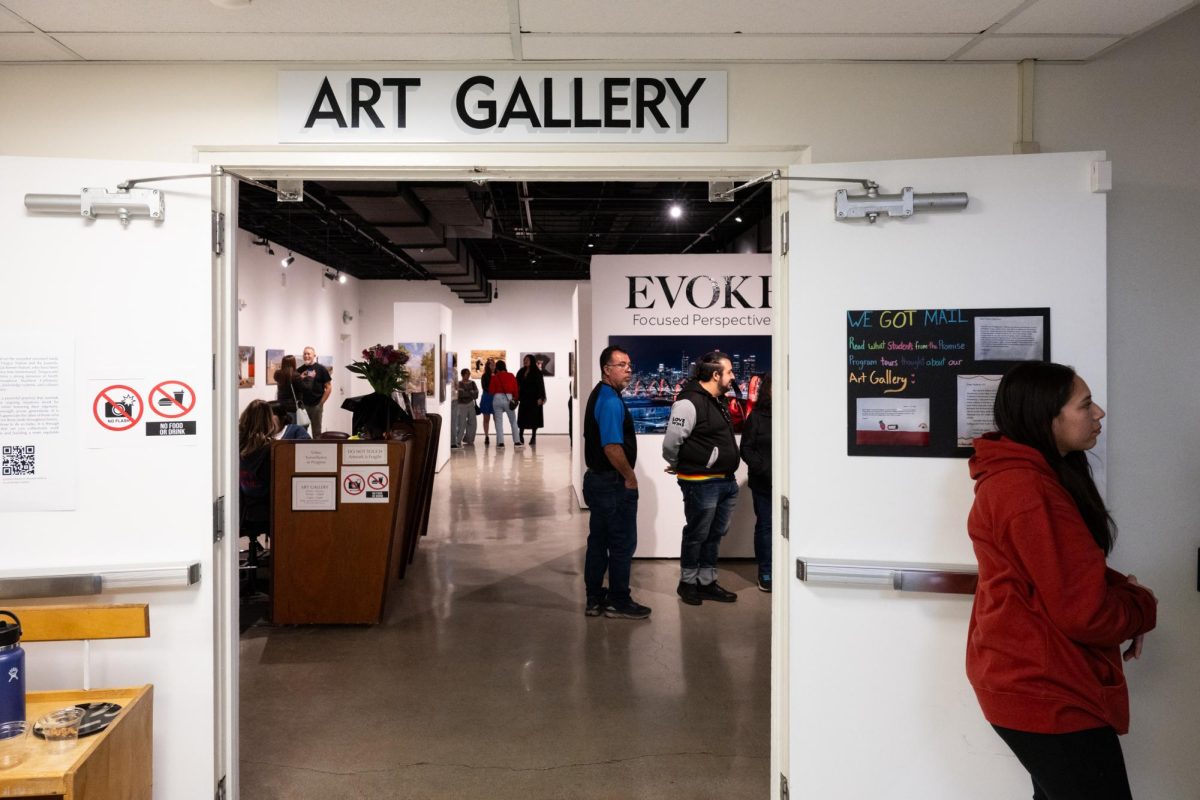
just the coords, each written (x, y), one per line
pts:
(292, 387)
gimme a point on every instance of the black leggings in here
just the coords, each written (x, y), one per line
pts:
(1085, 765)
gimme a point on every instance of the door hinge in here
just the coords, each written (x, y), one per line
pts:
(785, 516)
(218, 232)
(219, 519)
(783, 787)
(783, 233)
(220, 794)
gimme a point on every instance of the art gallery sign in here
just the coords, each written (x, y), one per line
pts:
(486, 106)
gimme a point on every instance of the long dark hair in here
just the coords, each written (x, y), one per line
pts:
(763, 402)
(287, 370)
(1030, 396)
(256, 428)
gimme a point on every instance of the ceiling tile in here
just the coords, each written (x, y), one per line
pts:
(1092, 16)
(10, 22)
(275, 16)
(31, 47)
(739, 48)
(1045, 48)
(762, 16)
(286, 47)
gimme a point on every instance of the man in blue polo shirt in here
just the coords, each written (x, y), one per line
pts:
(610, 489)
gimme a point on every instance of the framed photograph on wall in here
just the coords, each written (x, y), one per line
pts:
(274, 362)
(479, 359)
(443, 383)
(663, 364)
(245, 367)
(422, 366)
(451, 368)
(543, 358)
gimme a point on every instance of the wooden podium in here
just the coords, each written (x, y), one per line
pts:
(331, 566)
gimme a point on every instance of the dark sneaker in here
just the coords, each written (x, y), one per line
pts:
(626, 610)
(764, 583)
(594, 607)
(714, 591)
(689, 593)
(500, 445)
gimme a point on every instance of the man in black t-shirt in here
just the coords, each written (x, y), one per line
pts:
(317, 386)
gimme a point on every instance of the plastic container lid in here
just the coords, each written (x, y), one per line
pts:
(10, 632)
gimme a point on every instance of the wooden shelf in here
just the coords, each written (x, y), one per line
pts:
(115, 763)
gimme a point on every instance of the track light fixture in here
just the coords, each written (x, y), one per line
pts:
(341, 277)
(287, 262)
(495, 291)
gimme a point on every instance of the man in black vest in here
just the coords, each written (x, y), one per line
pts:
(700, 449)
(611, 491)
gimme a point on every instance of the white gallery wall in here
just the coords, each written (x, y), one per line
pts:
(637, 299)
(1142, 106)
(529, 316)
(427, 323)
(916, 110)
(292, 309)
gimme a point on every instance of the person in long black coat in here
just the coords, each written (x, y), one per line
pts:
(532, 386)
(756, 452)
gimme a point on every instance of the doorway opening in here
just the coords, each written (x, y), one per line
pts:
(529, 249)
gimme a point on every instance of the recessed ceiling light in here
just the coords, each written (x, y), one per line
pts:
(676, 211)
(591, 245)
(737, 219)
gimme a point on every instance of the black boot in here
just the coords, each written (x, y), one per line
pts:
(689, 593)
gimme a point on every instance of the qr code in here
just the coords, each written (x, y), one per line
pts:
(18, 460)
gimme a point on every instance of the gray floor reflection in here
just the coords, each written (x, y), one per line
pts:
(487, 680)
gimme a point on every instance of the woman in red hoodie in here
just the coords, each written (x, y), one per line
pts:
(1043, 647)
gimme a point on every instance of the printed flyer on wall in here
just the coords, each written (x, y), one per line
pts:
(890, 422)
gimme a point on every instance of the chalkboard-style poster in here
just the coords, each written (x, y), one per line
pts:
(921, 382)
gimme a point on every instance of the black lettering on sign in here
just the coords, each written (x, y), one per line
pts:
(325, 95)
(612, 102)
(401, 85)
(184, 428)
(488, 106)
(685, 100)
(520, 95)
(548, 118)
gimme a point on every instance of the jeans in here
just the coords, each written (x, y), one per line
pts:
(463, 423)
(707, 508)
(612, 535)
(501, 408)
(762, 530)
(314, 416)
(1085, 765)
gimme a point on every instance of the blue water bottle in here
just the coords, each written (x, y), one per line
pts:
(12, 669)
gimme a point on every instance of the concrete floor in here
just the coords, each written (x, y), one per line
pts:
(487, 680)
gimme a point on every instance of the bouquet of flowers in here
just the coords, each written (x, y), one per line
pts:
(382, 366)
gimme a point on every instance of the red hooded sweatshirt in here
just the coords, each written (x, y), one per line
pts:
(1043, 646)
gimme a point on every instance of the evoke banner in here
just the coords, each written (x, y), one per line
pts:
(503, 106)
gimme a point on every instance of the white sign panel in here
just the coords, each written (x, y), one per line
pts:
(316, 457)
(38, 436)
(373, 453)
(365, 484)
(488, 106)
(666, 312)
(314, 494)
(134, 412)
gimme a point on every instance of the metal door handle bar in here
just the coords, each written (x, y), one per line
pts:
(98, 580)
(899, 575)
